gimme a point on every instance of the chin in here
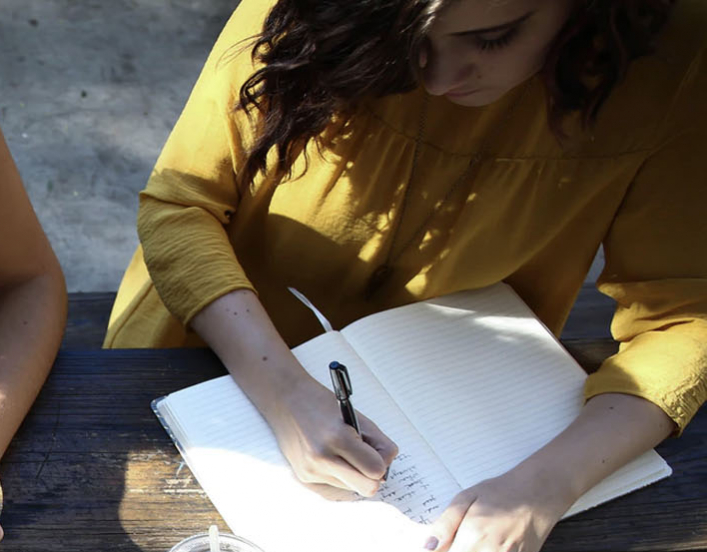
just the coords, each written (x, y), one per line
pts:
(480, 98)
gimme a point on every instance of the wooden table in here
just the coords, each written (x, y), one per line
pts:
(89, 312)
(92, 470)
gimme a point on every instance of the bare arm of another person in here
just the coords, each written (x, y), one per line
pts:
(32, 301)
(303, 414)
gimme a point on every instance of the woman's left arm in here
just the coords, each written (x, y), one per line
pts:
(517, 510)
(656, 271)
(33, 301)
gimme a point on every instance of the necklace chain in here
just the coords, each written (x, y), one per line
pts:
(383, 272)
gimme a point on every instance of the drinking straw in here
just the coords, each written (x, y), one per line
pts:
(214, 539)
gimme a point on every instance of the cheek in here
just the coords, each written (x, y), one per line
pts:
(532, 61)
(506, 70)
(515, 65)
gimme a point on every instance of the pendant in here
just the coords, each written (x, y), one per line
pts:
(379, 277)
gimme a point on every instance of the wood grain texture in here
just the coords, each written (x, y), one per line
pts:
(92, 469)
(89, 314)
(590, 317)
(88, 320)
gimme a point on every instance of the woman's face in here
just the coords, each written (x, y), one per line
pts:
(478, 50)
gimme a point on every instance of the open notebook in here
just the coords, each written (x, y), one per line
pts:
(467, 385)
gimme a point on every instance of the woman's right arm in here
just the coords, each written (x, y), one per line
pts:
(303, 414)
(189, 199)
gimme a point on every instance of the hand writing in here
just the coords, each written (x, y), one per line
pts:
(504, 514)
(322, 449)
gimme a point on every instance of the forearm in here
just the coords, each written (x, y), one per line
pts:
(32, 321)
(517, 510)
(239, 330)
(303, 414)
(611, 430)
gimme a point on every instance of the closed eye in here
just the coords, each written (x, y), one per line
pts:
(490, 42)
(497, 37)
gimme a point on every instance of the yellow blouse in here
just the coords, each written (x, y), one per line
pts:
(531, 212)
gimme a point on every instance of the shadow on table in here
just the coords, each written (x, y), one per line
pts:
(91, 468)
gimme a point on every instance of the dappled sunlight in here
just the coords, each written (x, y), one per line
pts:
(260, 493)
(237, 462)
(485, 344)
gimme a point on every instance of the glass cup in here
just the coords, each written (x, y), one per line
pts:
(227, 543)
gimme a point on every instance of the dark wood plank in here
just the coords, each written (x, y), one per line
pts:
(88, 320)
(89, 313)
(92, 469)
(668, 515)
(590, 353)
(590, 317)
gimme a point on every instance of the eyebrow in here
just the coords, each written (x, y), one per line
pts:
(496, 28)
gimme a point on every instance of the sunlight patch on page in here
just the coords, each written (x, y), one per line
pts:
(269, 520)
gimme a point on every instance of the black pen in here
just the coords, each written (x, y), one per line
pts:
(342, 389)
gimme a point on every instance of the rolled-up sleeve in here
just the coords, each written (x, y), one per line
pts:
(192, 193)
(656, 267)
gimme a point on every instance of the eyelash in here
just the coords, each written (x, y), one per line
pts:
(496, 43)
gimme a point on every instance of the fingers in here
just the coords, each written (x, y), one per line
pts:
(351, 478)
(357, 463)
(2, 533)
(444, 530)
(332, 469)
(386, 448)
(342, 459)
(342, 477)
(351, 462)
(321, 448)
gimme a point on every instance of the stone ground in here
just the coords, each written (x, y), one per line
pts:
(89, 90)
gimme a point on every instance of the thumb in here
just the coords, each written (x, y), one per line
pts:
(443, 530)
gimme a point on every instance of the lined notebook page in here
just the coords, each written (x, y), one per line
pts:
(235, 457)
(418, 484)
(481, 379)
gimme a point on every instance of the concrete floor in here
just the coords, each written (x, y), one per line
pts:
(89, 90)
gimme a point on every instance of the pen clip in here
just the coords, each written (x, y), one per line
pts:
(340, 380)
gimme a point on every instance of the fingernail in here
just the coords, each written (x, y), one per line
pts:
(432, 543)
(422, 59)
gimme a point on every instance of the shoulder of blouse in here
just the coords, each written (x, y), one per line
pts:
(230, 62)
(663, 93)
(652, 104)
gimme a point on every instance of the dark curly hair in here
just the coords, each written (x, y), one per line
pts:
(319, 58)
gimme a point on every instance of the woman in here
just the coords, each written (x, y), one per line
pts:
(32, 301)
(377, 153)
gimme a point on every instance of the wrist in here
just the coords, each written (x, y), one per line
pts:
(239, 330)
(551, 484)
(270, 381)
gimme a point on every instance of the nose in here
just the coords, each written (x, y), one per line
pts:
(445, 70)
